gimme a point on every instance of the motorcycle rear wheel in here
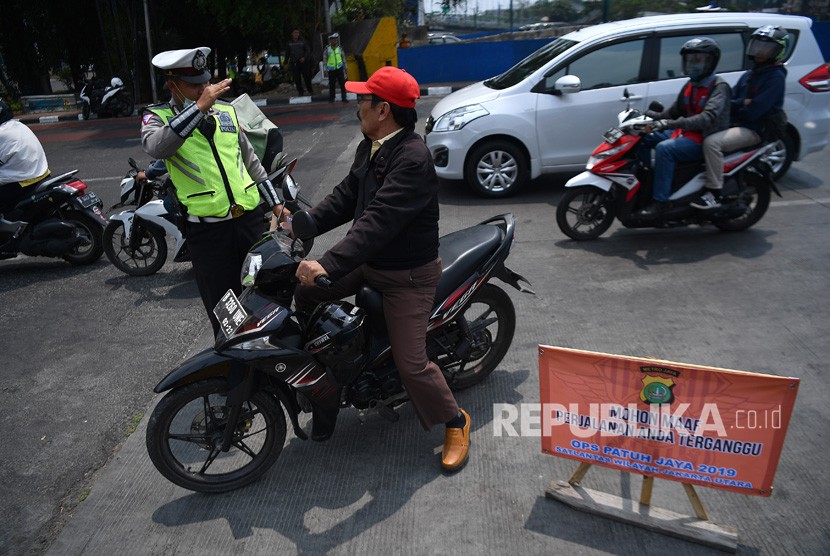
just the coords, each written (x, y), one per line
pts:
(147, 258)
(756, 194)
(584, 213)
(184, 437)
(91, 232)
(491, 319)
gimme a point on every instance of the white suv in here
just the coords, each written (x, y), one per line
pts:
(546, 113)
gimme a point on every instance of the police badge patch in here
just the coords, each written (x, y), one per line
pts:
(199, 60)
(226, 122)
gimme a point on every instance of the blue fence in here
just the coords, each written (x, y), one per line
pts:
(821, 29)
(454, 62)
(459, 62)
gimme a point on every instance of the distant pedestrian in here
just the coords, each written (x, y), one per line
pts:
(335, 62)
(298, 55)
(405, 42)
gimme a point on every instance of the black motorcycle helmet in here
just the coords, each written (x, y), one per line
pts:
(700, 57)
(5, 112)
(768, 42)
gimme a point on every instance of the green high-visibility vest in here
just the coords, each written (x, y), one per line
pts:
(335, 57)
(197, 172)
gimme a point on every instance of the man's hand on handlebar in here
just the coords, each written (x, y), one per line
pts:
(309, 271)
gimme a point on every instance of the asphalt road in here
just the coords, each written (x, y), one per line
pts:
(85, 346)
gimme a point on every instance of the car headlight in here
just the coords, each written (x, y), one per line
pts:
(250, 268)
(458, 118)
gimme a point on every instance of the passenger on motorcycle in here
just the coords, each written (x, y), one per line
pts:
(701, 108)
(756, 109)
(22, 162)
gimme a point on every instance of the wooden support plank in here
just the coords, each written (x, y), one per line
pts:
(645, 491)
(625, 510)
(579, 474)
(700, 511)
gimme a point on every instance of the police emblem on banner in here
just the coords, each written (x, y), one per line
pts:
(657, 390)
(226, 122)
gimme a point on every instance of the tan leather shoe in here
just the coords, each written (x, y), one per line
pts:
(456, 445)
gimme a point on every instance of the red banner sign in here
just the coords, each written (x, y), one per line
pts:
(700, 425)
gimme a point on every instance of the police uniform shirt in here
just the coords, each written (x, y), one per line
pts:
(162, 140)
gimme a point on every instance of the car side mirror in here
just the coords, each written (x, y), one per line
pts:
(567, 84)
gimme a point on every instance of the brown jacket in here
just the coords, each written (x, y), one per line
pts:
(393, 202)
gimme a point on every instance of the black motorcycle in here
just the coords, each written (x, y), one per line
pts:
(106, 100)
(222, 424)
(60, 219)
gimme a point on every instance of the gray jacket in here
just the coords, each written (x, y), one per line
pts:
(715, 114)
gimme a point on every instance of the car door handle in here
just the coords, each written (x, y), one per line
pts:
(632, 97)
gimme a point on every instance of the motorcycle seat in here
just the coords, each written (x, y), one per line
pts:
(461, 253)
(45, 184)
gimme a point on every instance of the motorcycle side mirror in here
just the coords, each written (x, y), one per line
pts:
(303, 225)
(656, 106)
(133, 163)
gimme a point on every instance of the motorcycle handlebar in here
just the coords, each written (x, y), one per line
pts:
(323, 281)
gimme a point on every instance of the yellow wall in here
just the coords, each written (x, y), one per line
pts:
(381, 50)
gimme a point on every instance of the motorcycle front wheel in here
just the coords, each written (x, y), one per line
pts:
(584, 213)
(491, 320)
(147, 258)
(755, 195)
(185, 431)
(93, 246)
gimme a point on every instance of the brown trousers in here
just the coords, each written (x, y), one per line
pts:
(408, 296)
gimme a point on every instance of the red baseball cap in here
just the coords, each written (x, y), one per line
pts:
(391, 84)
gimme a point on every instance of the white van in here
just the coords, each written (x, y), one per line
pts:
(547, 113)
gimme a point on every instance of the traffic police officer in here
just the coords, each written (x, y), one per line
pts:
(217, 177)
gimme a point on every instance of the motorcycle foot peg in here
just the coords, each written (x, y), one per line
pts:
(387, 412)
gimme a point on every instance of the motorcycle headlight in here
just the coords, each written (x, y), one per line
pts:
(458, 118)
(250, 268)
(595, 159)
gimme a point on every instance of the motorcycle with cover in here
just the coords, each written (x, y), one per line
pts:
(617, 183)
(222, 423)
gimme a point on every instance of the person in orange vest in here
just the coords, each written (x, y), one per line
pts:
(405, 42)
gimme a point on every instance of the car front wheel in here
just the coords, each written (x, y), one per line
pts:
(496, 169)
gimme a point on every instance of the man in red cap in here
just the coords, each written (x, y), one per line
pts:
(391, 195)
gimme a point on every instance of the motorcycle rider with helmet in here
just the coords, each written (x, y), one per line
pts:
(756, 108)
(22, 163)
(701, 108)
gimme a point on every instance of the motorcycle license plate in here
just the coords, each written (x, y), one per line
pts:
(230, 314)
(612, 135)
(89, 200)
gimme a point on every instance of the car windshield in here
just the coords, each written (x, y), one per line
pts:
(530, 64)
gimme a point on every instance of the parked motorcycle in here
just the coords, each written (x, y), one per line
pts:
(616, 184)
(135, 240)
(60, 219)
(106, 100)
(222, 424)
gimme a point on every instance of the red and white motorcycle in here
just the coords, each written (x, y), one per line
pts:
(616, 184)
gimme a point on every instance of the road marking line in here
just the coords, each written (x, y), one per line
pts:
(823, 201)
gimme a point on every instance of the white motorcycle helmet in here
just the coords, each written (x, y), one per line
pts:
(116, 83)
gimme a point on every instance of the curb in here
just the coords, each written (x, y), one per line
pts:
(425, 91)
